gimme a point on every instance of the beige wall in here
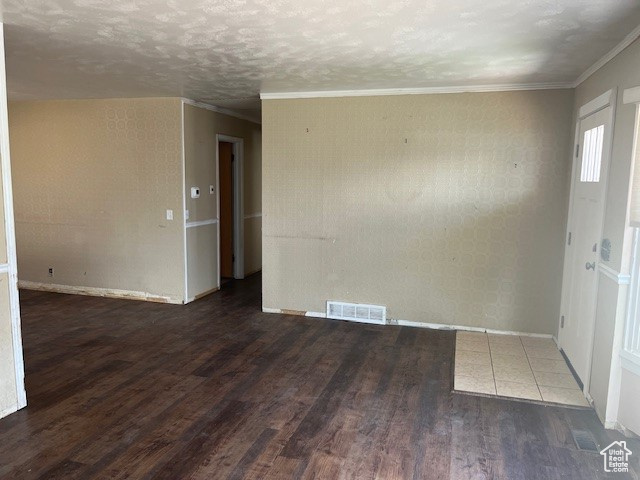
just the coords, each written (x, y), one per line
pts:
(93, 180)
(608, 383)
(200, 129)
(447, 209)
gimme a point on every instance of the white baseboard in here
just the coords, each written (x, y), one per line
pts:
(442, 326)
(271, 310)
(95, 292)
(433, 326)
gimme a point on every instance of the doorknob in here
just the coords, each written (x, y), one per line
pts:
(590, 266)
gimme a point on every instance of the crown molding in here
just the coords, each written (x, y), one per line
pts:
(221, 110)
(414, 91)
(628, 40)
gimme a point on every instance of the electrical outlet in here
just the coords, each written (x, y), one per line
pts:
(169, 214)
(51, 271)
(211, 190)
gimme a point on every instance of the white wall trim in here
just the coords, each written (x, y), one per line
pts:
(442, 326)
(617, 277)
(217, 200)
(238, 202)
(598, 103)
(185, 298)
(415, 91)
(631, 95)
(96, 292)
(628, 40)
(306, 314)
(9, 223)
(253, 215)
(271, 310)
(220, 110)
(200, 223)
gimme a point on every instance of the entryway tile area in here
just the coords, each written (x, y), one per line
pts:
(530, 368)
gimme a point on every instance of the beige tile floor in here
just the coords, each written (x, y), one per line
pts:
(530, 368)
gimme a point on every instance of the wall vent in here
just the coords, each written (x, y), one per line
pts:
(357, 312)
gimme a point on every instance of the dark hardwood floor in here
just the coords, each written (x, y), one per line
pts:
(217, 389)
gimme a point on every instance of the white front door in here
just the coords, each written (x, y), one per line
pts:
(583, 244)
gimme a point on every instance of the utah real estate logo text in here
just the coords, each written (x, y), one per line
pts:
(616, 457)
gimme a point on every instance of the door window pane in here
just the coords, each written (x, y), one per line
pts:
(592, 154)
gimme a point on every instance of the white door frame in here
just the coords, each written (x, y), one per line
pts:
(238, 206)
(11, 267)
(601, 102)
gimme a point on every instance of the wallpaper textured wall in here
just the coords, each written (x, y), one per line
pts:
(93, 180)
(447, 209)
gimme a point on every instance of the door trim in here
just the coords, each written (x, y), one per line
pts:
(238, 206)
(10, 236)
(598, 103)
(607, 99)
(185, 217)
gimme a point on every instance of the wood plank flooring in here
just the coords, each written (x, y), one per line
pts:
(216, 389)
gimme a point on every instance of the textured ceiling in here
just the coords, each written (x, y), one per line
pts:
(225, 52)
